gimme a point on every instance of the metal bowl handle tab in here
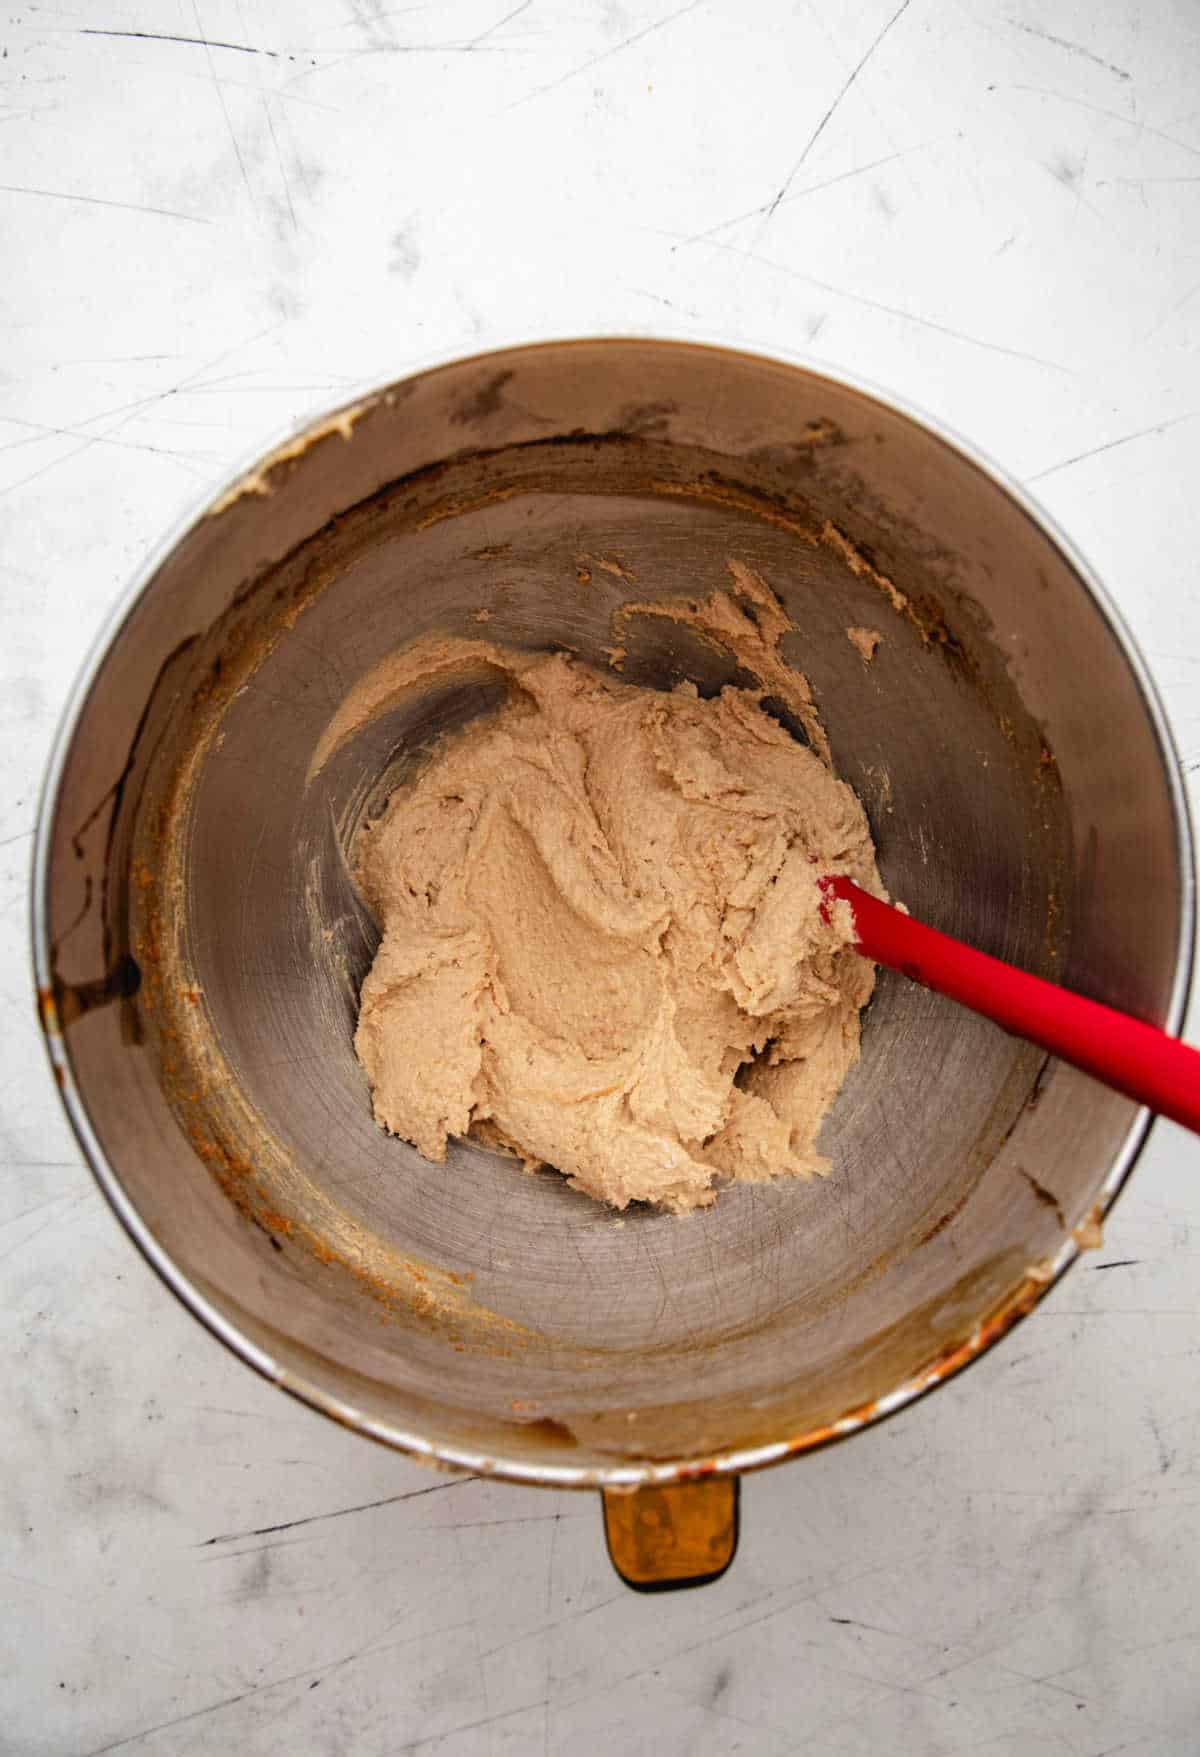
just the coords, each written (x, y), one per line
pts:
(676, 1534)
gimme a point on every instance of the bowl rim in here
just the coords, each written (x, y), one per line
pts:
(627, 1473)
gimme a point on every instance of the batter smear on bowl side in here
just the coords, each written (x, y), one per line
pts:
(603, 942)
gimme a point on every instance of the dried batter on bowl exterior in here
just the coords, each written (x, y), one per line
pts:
(603, 942)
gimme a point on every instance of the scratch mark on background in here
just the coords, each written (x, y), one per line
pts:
(1143, 182)
(40, 430)
(880, 1629)
(1165, 1456)
(1112, 444)
(1068, 175)
(671, 304)
(258, 1549)
(1172, 311)
(1039, 91)
(132, 207)
(340, 59)
(355, 21)
(1123, 1313)
(212, 68)
(278, 95)
(475, 1726)
(1031, 30)
(550, 1563)
(84, 445)
(768, 207)
(42, 1585)
(558, 1622)
(37, 1207)
(338, 1513)
(287, 188)
(112, 359)
(943, 329)
(52, 1220)
(518, 1519)
(607, 54)
(819, 130)
(500, 24)
(138, 407)
(182, 1719)
(324, 1669)
(195, 42)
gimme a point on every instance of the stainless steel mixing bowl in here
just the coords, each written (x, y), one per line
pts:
(199, 941)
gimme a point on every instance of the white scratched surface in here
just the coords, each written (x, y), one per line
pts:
(216, 218)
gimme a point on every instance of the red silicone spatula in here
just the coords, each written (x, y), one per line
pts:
(1134, 1058)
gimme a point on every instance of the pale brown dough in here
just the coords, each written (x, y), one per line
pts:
(864, 641)
(603, 941)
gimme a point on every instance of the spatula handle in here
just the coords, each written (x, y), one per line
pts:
(1134, 1058)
